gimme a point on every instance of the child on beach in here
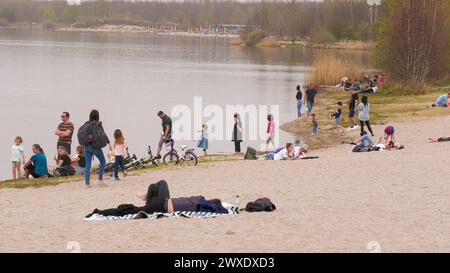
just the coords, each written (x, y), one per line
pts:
(203, 141)
(79, 161)
(17, 157)
(315, 125)
(337, 117)
(389, 134)
(120, 146)
(270, 131)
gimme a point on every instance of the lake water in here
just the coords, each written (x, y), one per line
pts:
(129, 77)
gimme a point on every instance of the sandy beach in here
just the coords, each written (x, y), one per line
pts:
(337, 203)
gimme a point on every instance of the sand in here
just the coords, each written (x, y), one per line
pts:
(338, 203)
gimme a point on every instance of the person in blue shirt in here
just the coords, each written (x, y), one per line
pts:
(37, 165)
(442, 101)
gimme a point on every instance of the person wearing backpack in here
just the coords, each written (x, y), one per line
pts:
(93, 137)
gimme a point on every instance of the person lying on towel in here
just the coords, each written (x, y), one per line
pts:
(157, 199)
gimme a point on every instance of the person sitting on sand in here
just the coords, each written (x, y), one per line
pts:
(63, 163)
(442, 101)
(157, 199)
(37, 165)
(365, 140)
(356, 86)
(441, 139)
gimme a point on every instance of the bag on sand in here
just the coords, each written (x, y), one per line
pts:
(92, 133)
(261, 204)
(250, 154)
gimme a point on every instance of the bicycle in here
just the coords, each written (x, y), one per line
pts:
(173, 158)
(149, 160)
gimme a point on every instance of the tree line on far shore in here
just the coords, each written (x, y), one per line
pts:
(412, 36)
(327, 21)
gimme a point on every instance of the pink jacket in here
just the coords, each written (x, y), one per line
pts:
(271, 128)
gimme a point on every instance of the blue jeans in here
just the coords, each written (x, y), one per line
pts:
(299, 108)
(118, 162)
(310, 105)
(89, 154)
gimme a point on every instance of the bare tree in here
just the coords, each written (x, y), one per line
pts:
(415, 38)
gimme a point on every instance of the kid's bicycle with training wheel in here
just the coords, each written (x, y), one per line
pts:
(173, 158)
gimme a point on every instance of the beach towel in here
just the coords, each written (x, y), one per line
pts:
(157, 215)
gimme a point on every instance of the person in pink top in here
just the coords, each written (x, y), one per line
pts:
(120, 147)
(270, 131)
(381, 81)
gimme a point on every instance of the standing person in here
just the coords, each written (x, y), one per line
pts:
(337, 117)
(37, 165)
(354, 99)
(270, 131)
(64, 132)
(310, 97)
(315, 125)
(79, 161)
(381, 81)
(203, 142)
(363, 114)
(94, 146)
(120, 147)
(166, 135)
(17, 157)
(299, 96)
(237, 133)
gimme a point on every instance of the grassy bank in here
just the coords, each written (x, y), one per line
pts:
(354, 45)
(36, 183)
(390, 106)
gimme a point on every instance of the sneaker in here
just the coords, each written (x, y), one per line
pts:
(117, 179)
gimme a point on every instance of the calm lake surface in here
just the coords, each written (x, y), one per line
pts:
(129, 77)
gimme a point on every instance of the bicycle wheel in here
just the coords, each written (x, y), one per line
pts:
(191, 159)
(171, 159)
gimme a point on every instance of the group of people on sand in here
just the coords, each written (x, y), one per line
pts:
(80, 163)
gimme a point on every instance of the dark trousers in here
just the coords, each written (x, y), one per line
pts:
(157, 195)
(66, 145)
(368, 126)
(237, 146)
(118, 162)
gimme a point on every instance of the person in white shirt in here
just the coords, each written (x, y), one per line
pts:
(120, 147)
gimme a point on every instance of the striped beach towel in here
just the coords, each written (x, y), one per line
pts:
(157, 215)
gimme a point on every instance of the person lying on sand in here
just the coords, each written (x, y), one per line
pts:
(441, 139)
(289, 152)
(442, 101)
(157, 199)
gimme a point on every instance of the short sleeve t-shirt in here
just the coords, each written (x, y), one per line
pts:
(281, 155)
(66, 160)
(40, 164)
(167, 121)
(311, 94)
(64, 127)
(353, 100)
(16, 152)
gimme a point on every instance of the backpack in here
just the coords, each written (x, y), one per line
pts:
(250, 154)
(92, 133)
(261, 204)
